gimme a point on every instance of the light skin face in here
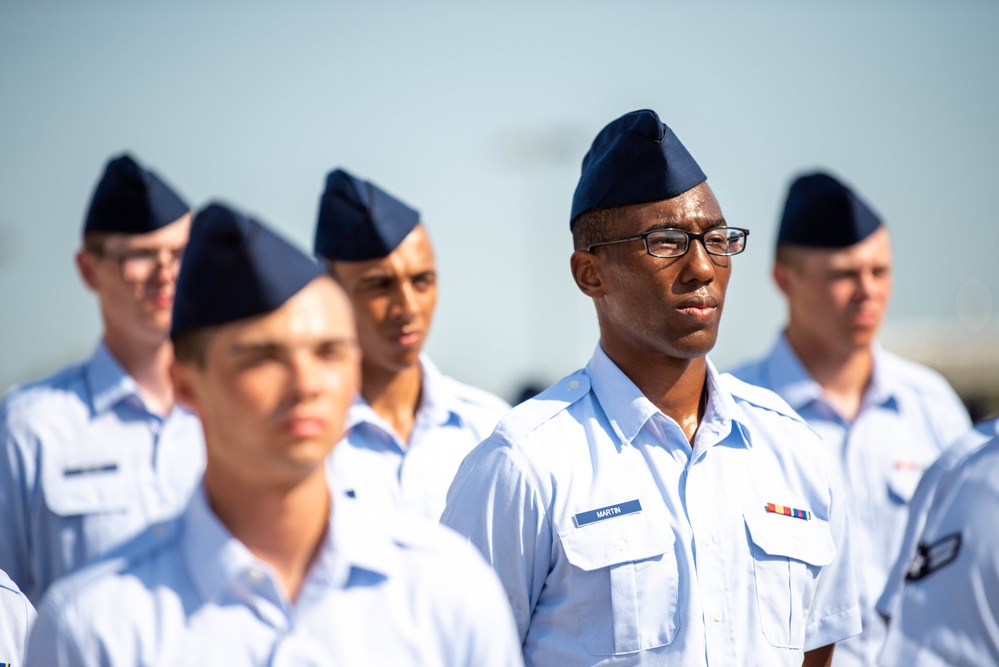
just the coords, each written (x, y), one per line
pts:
(136, 310)
(650, 307)
(394, 300)
(274, 390)
(837, 298)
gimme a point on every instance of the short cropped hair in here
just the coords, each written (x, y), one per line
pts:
(591, 227)
(789, 255)
(189, 346)
(93, 242)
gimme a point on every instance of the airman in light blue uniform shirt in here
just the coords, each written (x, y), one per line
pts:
(411, 426)
(920, 504)
(379, 592)
(620, 544)
(948, 610)
(265, 566)
(16, 617)
(883, 419)
(374, 464)
(646, 510)
(88, 457)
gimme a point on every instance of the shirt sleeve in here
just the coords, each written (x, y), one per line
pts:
(495, 502)
(835, 611)
(51, 642)
(490, 637)
(17, 483)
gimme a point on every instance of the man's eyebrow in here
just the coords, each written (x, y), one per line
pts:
(678, 224)
(376, 274)
(255, 347)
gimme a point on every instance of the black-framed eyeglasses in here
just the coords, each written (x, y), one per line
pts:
(724, 241)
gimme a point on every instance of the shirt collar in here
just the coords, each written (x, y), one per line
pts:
(717, 422)
(626, 407)
(881, 391)
(214, 558)
(357, 541)
(108, 382)
(435, 397)
(790, 378)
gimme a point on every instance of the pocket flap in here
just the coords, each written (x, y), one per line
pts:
(82, 490)
(619, 540)
(778, 535)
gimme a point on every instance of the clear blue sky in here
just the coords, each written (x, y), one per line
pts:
(479, 114)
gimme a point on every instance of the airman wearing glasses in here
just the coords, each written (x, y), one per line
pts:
(96, 452)
(647, 510)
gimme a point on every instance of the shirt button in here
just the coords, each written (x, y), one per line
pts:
(796, 543)
(254, 574)
(170, 498)
(622, 544)
(718, 615)
(708, 541)
(573, 384)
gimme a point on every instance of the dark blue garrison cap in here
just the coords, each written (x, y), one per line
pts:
(359, 221)
(235, 267)
(634, 160)
(821, 212)
(132, 200)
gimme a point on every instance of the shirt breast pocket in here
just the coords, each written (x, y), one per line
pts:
(788, 555)
(624, 583)
(89, 507)
(86, 489)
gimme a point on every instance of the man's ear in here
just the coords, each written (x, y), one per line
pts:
(85, 265)
(184, 377)
(585, 268)
(782, 277)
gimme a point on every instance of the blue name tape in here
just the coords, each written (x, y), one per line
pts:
(89, 470)
(609, 512)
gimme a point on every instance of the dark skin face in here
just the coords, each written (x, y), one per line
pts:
(394, 299)
(659, 317)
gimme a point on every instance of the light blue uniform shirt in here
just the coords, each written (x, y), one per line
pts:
(188, 593)
(908, 416)
(920, 505)
(950, 616)
(373, 464)
(618, 545)
(85, 465)
(16, 617)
